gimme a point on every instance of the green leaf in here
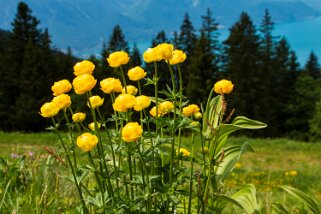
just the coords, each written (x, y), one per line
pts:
(246, 197)
(212, 114)
(279, 208)
(238, 123)
(229, 158)
(302, 197)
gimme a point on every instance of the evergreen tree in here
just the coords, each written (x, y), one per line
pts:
(187, 36)
(210, 27)
(243, 67)
(312, 67)
(201, 80)
(117, 41)
(135, 57)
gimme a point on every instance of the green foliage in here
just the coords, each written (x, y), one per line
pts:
(315, 123)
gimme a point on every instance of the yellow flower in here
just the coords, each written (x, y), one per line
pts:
(150, 55)
(190, 110)
(184, 152)
(124, 102)
(131, 132)
(61, 87)
(91, 126)
(178, 57)
(110, 85)
(49, 110)
(237, 165)
(117, 59)
(84, 67)
(293, 173)
(153, 112)
(78, 117)
(223, 87)
(84, 83)
(142, 102)
(136, 73)
(86, 142)
(132, 90)
(95, 101)
(198, 115)
(166, 107)
(164, 51)
(62, 101)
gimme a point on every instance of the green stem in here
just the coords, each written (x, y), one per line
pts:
(70, 138)
(191, 178)
(85, 209)
(123, 78)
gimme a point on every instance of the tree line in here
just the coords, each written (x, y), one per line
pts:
(270, 85)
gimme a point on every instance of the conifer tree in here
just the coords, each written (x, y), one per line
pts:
(187, 36)
(312, 67)
(117, 41)
(210, 27)
(135, 56)
(243, 67)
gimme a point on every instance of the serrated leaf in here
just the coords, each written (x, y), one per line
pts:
(302, 197)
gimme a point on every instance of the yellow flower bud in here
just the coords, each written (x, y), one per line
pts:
(183, 152)
(198, 115)
(190, 110)
(86, 142)
(132, 90)
(124, 102)
(95, 101)
(62, 101)
(117, 59)
(49, 110)
(61, 87)
(84, 83)
(142, 102)
(91, 126)
(166, 107)
(110, 85)
(223, 87)
(178, 57)
(131, 132)
(164, 51)
(136, 73)
(84, 67)
(78, 117)
(153, 112)
(150, 55)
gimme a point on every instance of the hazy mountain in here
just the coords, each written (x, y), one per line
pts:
(84, 24)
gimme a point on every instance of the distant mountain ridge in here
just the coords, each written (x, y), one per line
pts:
(84, 24)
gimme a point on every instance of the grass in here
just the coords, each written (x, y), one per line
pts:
(266, 168)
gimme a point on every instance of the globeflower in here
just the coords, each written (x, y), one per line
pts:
(91, 126)
(61, 87)
(49, 110)
(153, 112)
(62, 101)
(84, 83)
(124, 102)
(198, 115)
(86, 142)
(95, 101)
(78, 117)
(184, 152)
(132, 90)
(164, 51)
(110, 85)
(117, 59)
(136, 73)
(84, 67)
(166, 107)
(150, 55)
(142, 102)
(131, 132)
(223, 87)
(178, 57)
(190, 110)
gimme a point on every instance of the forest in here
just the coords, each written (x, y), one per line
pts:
(270, 84)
